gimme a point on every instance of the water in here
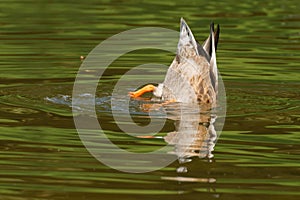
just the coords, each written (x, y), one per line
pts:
(42, 156)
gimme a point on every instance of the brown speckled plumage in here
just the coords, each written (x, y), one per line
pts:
(192, 76)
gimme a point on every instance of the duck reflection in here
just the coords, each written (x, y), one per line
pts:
(194, 138)
(194, 135)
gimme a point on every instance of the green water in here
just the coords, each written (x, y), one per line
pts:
(42, 156)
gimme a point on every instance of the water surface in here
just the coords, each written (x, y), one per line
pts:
(42, 156)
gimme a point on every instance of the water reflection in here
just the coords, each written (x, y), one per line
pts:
(195, 134)
(194, 137)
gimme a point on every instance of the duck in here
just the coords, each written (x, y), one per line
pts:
(192, 76)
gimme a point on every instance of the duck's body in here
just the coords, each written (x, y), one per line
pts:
(192, 77)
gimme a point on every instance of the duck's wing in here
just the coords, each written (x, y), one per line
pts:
(214, 38)
(216, 34)
(207, 44)
(213, 60)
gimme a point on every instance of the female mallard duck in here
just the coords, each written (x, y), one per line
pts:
(193, 75)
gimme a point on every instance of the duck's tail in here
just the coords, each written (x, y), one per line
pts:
(207, 45)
